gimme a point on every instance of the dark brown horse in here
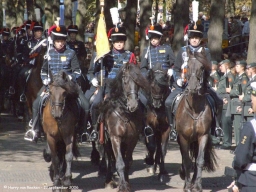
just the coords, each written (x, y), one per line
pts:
(60, 116)
(156, 122)
(123, 121)
(193, 122)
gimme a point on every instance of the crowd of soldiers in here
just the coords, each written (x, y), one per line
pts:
(229, 81)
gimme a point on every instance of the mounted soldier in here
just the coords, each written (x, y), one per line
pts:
(111, 64)
(195, 35)
(60, 57)
(77, 46)
(32, 49)
(152, 55)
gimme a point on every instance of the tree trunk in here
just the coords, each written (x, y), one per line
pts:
(145, 14)
(51, 12)
(108, 4)
(181, 19)
(129, 23)
(81, 19)
(217, 14)
(251, 57)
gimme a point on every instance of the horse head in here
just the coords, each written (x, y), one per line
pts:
(158, 85)
(61, 90)
(197, 69)
(130, 88)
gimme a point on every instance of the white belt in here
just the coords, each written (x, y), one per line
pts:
(251, 167)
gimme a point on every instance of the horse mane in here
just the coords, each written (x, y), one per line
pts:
(201, 57)
(62, 80)
(115, 85)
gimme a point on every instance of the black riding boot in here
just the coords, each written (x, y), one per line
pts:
(173, 133)
(84, 127)
(150, 138)
(94, 136)
(33, 134)
(218, 129)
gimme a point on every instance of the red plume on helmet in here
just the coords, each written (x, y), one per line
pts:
(51, 28)
(110, 32)
(32, 25)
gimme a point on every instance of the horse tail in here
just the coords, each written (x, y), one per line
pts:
(210, 157)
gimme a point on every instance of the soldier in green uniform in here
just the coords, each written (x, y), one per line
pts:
(226, 80)
(245, 98)
(237, 89)
(214, 76)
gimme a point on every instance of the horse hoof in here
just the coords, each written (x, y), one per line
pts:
(163, 178)
(110, 185)
(47, 156)
(182, 173)
(151, 170)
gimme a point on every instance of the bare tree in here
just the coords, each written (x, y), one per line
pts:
(251, 57)
(217, 14)
(181, 19)
(145, 14)
(130, 23)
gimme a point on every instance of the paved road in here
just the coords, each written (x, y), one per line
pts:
(24, 169)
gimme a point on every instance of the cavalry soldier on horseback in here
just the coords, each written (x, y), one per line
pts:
(32, 48)
(111, 64)
(6, 45)
(195, 37)
(154, 54)
(77, 46)
(60, 57)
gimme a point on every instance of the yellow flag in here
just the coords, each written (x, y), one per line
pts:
(102, 43)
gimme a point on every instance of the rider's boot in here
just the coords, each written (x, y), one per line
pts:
(218, 129)
(150, 138)
(23, 98)
(33, 133)
(84, 136)
(94, 136)
(173, 133)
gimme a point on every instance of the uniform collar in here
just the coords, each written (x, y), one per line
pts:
(60, 50)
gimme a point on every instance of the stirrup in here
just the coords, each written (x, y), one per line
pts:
(26, 137)
(86, 136)
(219, 132)
(30, 124)
(23, 98)
(11, 90)
(148, 131)
(94, 138)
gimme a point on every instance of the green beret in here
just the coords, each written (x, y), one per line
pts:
(242, 62)
(224, 61)
(214, 62)
(253, 85)
(251, 65)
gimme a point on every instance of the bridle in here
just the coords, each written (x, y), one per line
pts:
(157, 96)
(54, 104)
(132, 91)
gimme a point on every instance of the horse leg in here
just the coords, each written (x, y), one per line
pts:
(95, 155)
(163, 174)
(55, 161)
(120, 165)
(109, 182)
(151, 147)
(68, 158)
(47, 153)
(199, 164)
(186, 162)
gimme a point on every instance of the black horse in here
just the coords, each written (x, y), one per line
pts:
(123, 121)
(193, 121)
(157, 127)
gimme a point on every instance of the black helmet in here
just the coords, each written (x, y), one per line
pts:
(117, 34)
(155, 30)
(195, 30)
(59, 33)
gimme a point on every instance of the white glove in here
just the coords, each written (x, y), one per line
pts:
(46, 81)
(170, 72)
(70, 77)
(179, 82)
(95, 82)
